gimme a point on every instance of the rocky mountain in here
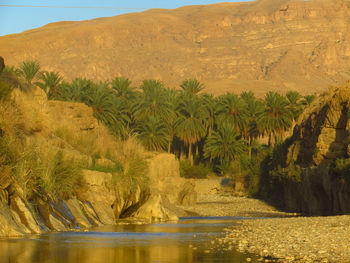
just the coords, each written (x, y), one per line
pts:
(260, 45)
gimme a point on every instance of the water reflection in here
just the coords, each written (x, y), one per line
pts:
(184, 241)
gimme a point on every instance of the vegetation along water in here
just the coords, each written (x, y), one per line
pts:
(240, 137)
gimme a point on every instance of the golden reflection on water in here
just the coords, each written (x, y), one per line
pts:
(129, 243)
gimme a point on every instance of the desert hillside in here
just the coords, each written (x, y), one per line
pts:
(259, 45)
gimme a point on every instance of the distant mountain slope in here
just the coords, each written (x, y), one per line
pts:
(260, 45)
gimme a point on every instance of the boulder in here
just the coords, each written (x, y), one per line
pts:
(164, 174)
(153, 209)
(100, 195)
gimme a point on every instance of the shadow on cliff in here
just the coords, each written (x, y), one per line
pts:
(298, 183)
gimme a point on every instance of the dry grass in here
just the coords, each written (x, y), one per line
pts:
(132, 156)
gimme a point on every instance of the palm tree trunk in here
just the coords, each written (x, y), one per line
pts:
(250, 142)
(169, 146)
(190, 157)
(182, 151)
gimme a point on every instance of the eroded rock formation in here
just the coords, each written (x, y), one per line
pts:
(311, 170)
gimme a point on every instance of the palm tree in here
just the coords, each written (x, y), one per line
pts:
(100, 98)
(191, 86)
(295, 106)
(308, 99)
(190, 124)
(276, 117)
(209, 103)
(152, 102)
(76, 91)
(121, 122)
(232, 109)
(153, 134)
(224, 145)
(123, 88)
(29, 70)
(172, 97)
(254, 107)
(50, 82)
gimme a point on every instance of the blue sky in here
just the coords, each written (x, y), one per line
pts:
(19, 19)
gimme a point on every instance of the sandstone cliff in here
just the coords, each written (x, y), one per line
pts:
(103, 197)
(260, 45)
(310, 172)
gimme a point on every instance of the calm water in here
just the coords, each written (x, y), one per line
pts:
(164, 242)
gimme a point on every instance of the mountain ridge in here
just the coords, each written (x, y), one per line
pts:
(259, 46)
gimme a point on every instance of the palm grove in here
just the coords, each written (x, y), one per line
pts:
(218, 133)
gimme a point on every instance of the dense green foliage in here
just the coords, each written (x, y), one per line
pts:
(207, 131)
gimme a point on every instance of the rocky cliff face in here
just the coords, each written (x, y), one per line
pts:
(313, 166)
(101, 199)
(260, 45)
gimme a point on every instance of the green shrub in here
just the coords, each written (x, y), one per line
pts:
(58, 177)
(5, 90)
(116, 168)
(197, 171)
(133, 165)
(341, 168)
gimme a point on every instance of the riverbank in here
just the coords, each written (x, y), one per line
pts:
(300, 239)
(229, 205)
(282, 237)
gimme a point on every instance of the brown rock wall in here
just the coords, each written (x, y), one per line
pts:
(320, 139)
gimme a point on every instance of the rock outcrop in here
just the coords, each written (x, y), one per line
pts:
(257, 45)
(313, 165)
(101, 199)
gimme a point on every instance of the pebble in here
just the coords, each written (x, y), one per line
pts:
(298, 239)
(283, 237)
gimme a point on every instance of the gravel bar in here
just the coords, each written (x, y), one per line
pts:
(299, 239)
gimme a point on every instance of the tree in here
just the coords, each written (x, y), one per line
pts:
(102, 101)
(308, 99)
(224, 145)
(123, 88)
(191, 86)
(295, 105)
(232, 109)
(251, 129)
(50, 82)
(209, 103)
(276, 117)
(152, 102)
(172, 98)
(190, 124)
(29, 70)
(153, 134)
(76, 91)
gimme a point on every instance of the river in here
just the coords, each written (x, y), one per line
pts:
(187, 240)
